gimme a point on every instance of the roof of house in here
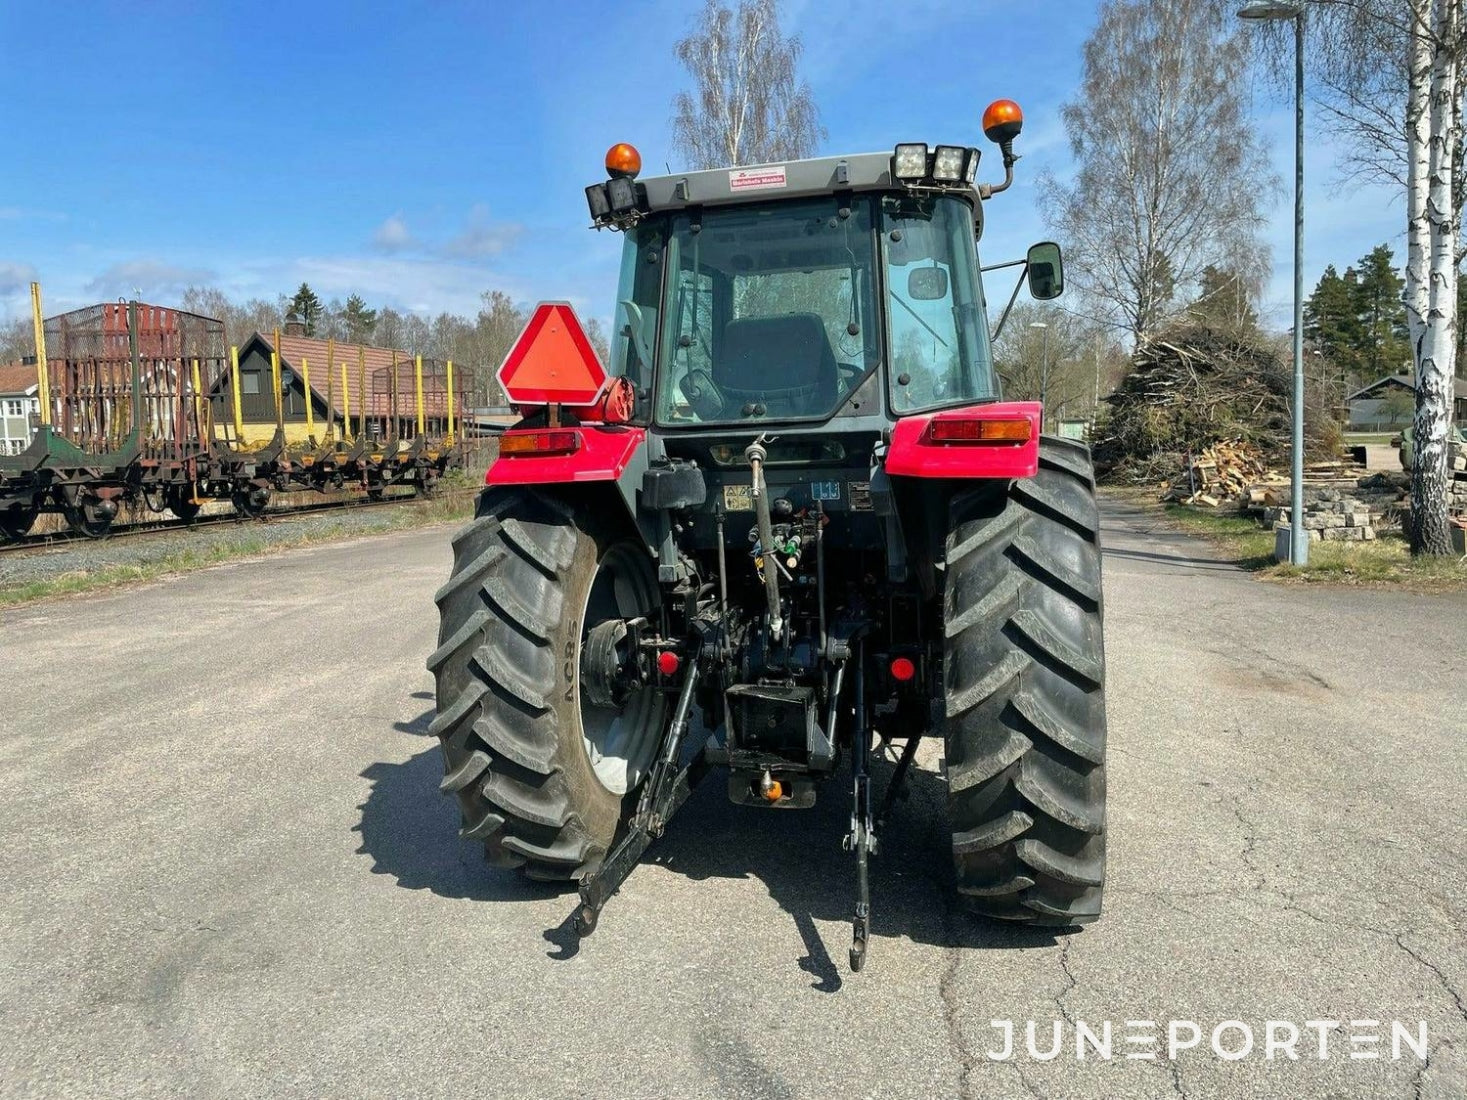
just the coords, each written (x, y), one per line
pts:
(17, 378)
(378, 362)
(1407, 381)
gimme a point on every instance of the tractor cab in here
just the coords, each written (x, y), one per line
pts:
(794, 294)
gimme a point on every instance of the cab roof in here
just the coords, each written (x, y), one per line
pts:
(786, 180)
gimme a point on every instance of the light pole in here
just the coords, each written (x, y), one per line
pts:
(1278, 9)
(1043, 373)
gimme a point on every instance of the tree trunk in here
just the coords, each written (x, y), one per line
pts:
(1431, 268)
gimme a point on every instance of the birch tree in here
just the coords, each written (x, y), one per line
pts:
(1433, 211)
(1170, 172)
(748, 104)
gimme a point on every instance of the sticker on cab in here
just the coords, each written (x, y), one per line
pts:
(825, 490)
(738, 498)
(757, 179)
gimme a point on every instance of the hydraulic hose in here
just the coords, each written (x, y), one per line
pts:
(755, 454)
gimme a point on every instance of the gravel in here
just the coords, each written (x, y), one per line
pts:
(184, 548)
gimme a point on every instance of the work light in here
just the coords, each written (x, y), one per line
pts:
(949, 163)
(622, 191)
(598, 201)
(909, 162)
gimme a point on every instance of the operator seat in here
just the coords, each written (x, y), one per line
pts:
(784, 363)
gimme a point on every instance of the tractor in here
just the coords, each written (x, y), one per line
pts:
(793, 517)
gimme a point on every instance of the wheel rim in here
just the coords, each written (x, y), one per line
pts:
(621, 742)
(90, 519)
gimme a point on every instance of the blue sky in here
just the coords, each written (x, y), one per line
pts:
(419, 154)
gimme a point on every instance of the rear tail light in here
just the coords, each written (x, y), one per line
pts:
(902, 669)
(975, 430)
(552, 442)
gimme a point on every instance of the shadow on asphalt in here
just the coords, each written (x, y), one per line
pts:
(1172, 559)
(410, 831)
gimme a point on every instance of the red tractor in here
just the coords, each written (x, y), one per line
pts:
(799, 515)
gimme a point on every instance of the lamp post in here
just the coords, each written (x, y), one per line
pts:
(1043, 373)
(1278, 9)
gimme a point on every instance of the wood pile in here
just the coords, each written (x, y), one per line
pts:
(1229, 470)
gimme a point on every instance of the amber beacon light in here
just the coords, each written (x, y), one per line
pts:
(1002, 121)
(623, 161)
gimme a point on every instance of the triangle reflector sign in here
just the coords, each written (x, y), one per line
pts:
(552, 362)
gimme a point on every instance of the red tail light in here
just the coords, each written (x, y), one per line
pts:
(551, 442)
(974, 430)
(902, 669)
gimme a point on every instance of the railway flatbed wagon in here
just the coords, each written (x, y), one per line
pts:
(123, 418)
(416, 411)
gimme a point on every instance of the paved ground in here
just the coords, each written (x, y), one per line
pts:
(229, 871)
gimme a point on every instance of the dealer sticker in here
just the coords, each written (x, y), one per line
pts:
(738, 498)
(757, 179)
(825, 490)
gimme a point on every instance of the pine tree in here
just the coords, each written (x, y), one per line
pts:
(359, 320)
(1223, 302)
(308, 306)
(1331, 322)
(1384, 346)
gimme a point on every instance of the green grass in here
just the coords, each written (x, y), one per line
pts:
(1383, 562)
(418, 514)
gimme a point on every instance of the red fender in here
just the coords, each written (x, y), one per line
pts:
(588, 453)
(950, 444)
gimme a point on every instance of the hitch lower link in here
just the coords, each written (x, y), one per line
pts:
(862, 837)
(667, 788)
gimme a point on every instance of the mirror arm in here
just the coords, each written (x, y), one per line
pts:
(993, 336)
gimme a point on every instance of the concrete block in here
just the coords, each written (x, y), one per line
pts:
(1357, 519)
(1333, 520)
(1367, 533)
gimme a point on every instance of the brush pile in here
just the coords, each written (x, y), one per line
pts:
(1190, 389)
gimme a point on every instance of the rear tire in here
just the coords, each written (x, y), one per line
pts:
(1025, 691)
(529, 577)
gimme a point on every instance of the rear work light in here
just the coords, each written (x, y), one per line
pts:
(554, 442)
(909, 161)
(974, 430)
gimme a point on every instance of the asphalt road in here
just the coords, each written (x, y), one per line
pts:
(229, 872)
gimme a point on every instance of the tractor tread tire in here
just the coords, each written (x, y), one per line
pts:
(512, 749)
(1024, 681)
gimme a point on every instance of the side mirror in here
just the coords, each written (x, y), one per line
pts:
(1046, 271)
(927, 284)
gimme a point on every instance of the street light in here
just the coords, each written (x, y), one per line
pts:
(1043, 370)
(1278, 9)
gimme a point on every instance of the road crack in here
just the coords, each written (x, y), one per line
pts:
(947, 991)
(1448, 986)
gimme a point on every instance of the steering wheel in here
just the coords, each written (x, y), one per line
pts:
(849, 373)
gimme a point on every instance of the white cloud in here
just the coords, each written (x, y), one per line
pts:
(14, 277)
(481, 236)
(147, 278)
(393, 235)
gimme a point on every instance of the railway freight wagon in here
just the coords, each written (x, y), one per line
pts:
(121, 414)
(148, 404)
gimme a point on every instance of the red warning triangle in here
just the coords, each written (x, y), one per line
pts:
(552, 362)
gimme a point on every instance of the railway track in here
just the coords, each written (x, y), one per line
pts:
(50, 540)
